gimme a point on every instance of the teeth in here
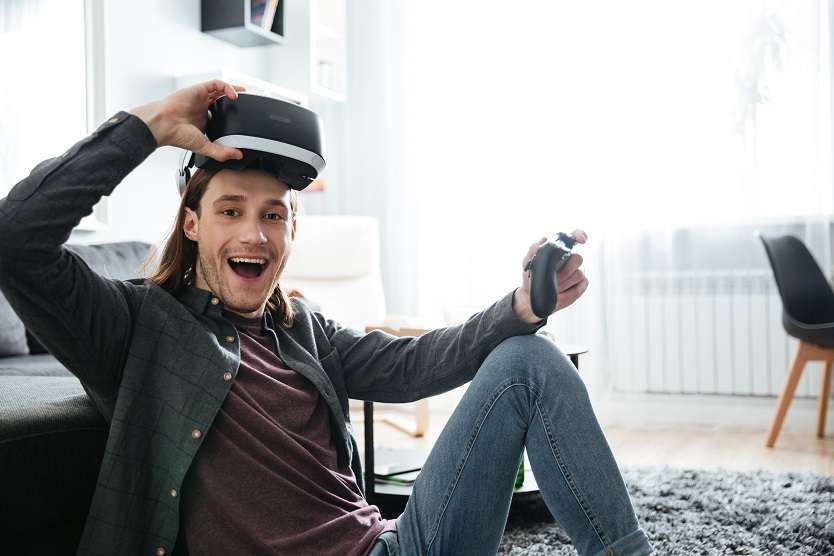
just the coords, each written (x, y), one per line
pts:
(247, 260)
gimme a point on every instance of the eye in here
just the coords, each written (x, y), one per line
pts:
(229, 210)
(275, 216)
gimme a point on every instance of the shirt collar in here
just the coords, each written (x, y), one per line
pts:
(268, 322)
(197, 300)
(200, 301)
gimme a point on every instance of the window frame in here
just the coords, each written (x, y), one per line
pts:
(96, 92)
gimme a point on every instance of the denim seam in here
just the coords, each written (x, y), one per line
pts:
(469, 444)
(551, 440)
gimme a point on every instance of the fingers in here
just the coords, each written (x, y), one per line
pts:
(226, 153)
(567, 297)
(579, 235)
(570, 275)
(218, 88)
(219, 153)
(569, 282)
(574, 262)
(532, 251)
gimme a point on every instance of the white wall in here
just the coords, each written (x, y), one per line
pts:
(375, 139)
(148, 44)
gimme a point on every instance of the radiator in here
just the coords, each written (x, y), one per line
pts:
(703, 333)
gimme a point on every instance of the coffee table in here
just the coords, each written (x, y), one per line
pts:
(386, 494)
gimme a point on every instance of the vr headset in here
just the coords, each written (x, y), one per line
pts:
(276, 136)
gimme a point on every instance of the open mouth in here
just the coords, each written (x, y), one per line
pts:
(247, 267)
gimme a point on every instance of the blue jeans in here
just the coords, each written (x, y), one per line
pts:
(525, 394)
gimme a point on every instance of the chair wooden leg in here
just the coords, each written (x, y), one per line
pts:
(418, 427)
(825, 393)
(422, 416)
(787, 394)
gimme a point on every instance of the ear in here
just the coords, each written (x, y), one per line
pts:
(191, 225)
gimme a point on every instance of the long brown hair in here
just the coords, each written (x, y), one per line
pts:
(177, 264)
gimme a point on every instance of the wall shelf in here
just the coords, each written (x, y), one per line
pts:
(244, 23)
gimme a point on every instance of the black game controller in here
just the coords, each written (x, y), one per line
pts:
(544, 265)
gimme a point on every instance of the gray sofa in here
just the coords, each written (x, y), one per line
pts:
(51, 436)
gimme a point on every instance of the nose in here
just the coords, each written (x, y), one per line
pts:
(252, 232)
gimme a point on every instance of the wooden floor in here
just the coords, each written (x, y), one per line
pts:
(691, 447)
(727, 447)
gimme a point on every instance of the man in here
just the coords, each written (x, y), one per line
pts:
(228, 401)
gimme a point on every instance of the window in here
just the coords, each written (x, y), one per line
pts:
(51, 65)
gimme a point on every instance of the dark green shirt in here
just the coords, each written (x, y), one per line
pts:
(158, 366)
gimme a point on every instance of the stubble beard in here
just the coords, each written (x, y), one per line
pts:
(214, 280)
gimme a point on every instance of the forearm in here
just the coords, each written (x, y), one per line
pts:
(382, 368)
(41, 211)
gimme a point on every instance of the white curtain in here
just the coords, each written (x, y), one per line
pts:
(670, 131)
(43, 103)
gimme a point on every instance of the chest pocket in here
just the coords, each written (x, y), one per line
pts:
(332, 365)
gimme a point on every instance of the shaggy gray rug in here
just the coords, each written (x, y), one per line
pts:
(703, 512)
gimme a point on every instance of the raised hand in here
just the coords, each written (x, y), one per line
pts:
(180, 119)
(571, 281)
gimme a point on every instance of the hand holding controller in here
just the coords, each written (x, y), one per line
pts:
(544, 265)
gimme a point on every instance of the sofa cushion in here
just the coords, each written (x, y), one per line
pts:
(41, 364)
(51, 444)
(43, 405)
(120, 260)
(12, 331)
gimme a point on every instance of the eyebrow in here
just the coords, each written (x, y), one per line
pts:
(242, 198)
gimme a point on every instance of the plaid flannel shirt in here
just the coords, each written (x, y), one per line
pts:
(158, 367)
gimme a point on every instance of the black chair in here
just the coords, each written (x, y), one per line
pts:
(807, 314)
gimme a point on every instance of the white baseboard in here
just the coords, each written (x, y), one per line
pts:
(637, 410)
(661, 410)
(653, 410)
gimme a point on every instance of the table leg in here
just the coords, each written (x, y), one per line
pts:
(369, 451)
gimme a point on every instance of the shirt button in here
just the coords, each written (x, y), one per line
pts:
(196, 433)
(174, 492)
(113, 121)
(230, 339)
(227, 376)
(160, 551)
(214, 301)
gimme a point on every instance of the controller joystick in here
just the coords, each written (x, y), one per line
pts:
(544, 265)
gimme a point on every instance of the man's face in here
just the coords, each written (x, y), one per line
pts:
(243, 214)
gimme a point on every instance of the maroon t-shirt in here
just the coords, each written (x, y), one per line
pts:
(267, 479)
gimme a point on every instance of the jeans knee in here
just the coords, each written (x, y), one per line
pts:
(540, 360)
